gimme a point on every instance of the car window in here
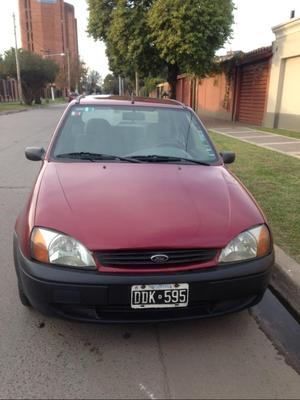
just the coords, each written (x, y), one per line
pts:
(134, 131)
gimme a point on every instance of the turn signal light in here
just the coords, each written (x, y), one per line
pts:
(264, 242)
(39, 248)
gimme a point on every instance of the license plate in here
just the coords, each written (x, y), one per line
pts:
(160, 296)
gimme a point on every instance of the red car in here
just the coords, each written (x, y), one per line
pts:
(134, 217)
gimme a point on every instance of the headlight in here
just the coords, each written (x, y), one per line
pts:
(255, 242)
(55, 248)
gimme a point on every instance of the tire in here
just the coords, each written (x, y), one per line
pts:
(23, 298)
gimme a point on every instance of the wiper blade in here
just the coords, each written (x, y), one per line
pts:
(82, 155)
(192, 160)
(158, 158)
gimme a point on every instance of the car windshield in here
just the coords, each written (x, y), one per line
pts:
(150, 134)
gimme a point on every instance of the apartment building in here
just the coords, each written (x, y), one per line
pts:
(49, 28)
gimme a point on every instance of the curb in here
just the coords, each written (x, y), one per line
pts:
(34, 108)
(285, 280)
(13, 111)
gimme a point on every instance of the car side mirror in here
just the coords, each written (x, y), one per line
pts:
(228, 157)
(35, 153)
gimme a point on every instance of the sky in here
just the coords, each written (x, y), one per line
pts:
(254, 20)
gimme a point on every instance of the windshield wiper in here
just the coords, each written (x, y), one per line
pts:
(82, 155)
(135, 159)
(158, 158)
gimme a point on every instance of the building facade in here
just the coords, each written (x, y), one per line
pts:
(49, 28)
(283, 108)
(241, 97)
(262, 88)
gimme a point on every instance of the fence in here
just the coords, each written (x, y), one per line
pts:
(8, 90)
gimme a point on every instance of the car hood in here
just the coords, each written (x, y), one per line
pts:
(124, 206)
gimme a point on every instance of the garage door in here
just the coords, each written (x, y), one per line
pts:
(253, 92)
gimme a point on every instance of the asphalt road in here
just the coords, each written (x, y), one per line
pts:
(41, 357)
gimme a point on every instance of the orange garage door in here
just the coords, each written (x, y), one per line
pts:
(253, 92)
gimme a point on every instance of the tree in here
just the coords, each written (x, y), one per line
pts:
(149, 35)
(100, 17)
(188, 33)
(128, 37)
(82, 75)
(123, 27)
(36, 72)
(93, 83)
(110, 84)
(78, 75)
(150, 85)
(2, 76)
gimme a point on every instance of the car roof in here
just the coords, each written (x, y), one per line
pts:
(126, 100)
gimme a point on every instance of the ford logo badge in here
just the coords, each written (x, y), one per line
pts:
(160, 258)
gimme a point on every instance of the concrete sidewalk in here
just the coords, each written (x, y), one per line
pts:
(271, 141)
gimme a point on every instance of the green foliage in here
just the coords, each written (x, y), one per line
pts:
(123, 26)
(82, 73)
(93, 82)
(78, 74)
(110, 84)
(100, 17)
(36, 72)
(228, 66)
(2, 75)
(149, 35)
(150, 84)
(188, 33)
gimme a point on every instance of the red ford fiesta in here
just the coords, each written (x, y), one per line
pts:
(134, 217)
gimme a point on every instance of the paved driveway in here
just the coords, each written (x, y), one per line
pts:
(281, 144)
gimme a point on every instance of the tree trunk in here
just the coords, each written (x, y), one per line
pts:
(28, 101)
(37, 100)
(137, 84)
(28, 98)
(173, 72)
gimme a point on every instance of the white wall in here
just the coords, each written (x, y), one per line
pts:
(283, 109)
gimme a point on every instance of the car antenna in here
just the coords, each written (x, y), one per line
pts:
(82, 96)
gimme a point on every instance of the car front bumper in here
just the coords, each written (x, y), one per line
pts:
(101, 297)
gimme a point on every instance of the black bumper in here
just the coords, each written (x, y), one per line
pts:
(97, 297)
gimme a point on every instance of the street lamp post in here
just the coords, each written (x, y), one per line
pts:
(18, 64)
(68, 66)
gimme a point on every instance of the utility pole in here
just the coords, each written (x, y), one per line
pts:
(77, 74)
(17, 63)
(69, 71)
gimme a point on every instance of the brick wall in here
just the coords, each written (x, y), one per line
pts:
(215, 97)
(71, 30)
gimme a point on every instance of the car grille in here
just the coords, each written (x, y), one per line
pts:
(131, 259)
